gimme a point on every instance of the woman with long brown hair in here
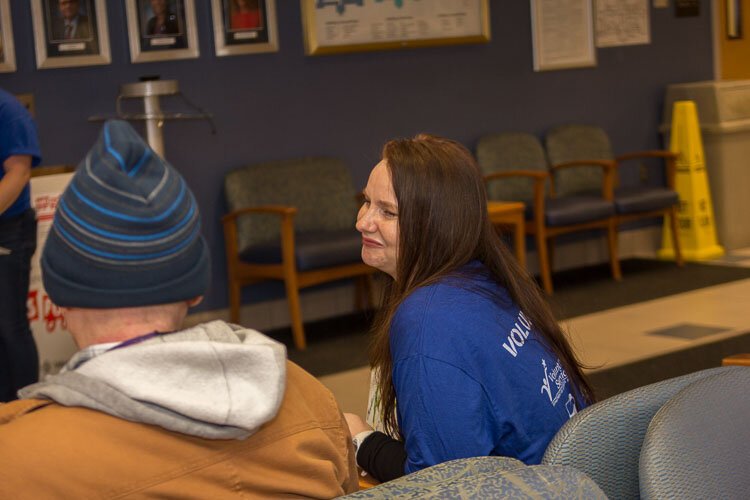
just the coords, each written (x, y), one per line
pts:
(468, 357)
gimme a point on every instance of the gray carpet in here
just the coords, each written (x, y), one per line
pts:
(341, 343)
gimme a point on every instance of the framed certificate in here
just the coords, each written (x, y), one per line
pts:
(335, 26)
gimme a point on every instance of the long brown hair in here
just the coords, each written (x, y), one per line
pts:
(443, 225)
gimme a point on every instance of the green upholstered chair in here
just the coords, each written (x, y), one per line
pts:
(516, 169)
(575, 143)
(291, 221)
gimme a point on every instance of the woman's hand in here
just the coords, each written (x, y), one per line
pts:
(356, 424)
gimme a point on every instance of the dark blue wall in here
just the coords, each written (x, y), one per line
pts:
(285, 104)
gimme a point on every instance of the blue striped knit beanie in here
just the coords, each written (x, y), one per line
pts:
(126, 231)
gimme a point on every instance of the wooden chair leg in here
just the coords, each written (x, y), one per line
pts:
(544, 264)
(614, 260)
(675, 236)
(365, 293)
(360, 293)
(235, 291)
(295, 314)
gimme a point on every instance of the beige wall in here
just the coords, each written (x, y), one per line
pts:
(734, 54)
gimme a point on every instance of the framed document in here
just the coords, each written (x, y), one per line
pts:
(563, 34)
(7, 49)
(160, 30)
(244, 26)
(70, 33)
(335, 26)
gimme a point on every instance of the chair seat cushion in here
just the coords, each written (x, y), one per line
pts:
(577, 209)
(629, 200)
(312, 250)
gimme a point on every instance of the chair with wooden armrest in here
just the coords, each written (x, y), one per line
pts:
(574, 143)
(516, 169)
(291, 221)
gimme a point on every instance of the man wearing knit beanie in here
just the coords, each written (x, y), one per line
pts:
(146, 408)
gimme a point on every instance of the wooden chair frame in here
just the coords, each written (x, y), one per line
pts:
(543, 233)
(241, 273)
(670, 170)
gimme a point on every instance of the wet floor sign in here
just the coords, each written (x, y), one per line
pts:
(695, 215)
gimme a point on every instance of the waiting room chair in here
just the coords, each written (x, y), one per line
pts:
(486, 478)
(698, 444)
(516, 169)
(292, 221)
(604, 440)
(585, 143)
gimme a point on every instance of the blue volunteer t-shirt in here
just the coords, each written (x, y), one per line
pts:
(471, 375)
(17, 137)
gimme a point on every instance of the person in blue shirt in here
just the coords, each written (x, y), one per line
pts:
(468, 359)
(19, 151)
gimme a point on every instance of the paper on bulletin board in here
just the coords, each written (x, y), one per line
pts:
(622, 22)
(53, 342)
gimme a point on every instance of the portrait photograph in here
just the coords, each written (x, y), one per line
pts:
(244, 26)
(7, 50)
(161, 29)
(70, 32)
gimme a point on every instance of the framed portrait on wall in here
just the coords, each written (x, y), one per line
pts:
(244, 26)
(160, 30)
(70, 33)
(7, 49)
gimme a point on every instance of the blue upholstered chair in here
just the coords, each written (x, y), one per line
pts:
(516, 169)
(487, 478)
(291, 221)
(604, 440)
(581, 144)
(698, 444)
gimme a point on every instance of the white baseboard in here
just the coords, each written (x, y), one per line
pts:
(339, 300)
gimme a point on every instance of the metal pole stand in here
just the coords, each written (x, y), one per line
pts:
(150, 89)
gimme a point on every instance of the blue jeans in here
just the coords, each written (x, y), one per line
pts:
(19, 360)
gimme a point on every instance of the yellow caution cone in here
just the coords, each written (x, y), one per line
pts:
(695, 214)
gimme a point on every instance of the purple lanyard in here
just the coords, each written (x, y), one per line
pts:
(139, 339)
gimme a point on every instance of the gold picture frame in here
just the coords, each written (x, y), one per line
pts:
(338, 26)
(7, 49)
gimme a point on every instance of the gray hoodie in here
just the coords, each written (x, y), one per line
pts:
(215, 380)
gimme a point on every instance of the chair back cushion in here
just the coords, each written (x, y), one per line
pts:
(320, 188)
(573, 143)
(604, 440)
(510, 151)
(487, 477)
(698, 443)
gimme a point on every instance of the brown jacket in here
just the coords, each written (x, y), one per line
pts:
(52, 451)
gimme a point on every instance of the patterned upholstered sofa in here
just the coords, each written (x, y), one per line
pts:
(487, 478)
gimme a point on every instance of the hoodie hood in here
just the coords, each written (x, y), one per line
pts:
(215, 380)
